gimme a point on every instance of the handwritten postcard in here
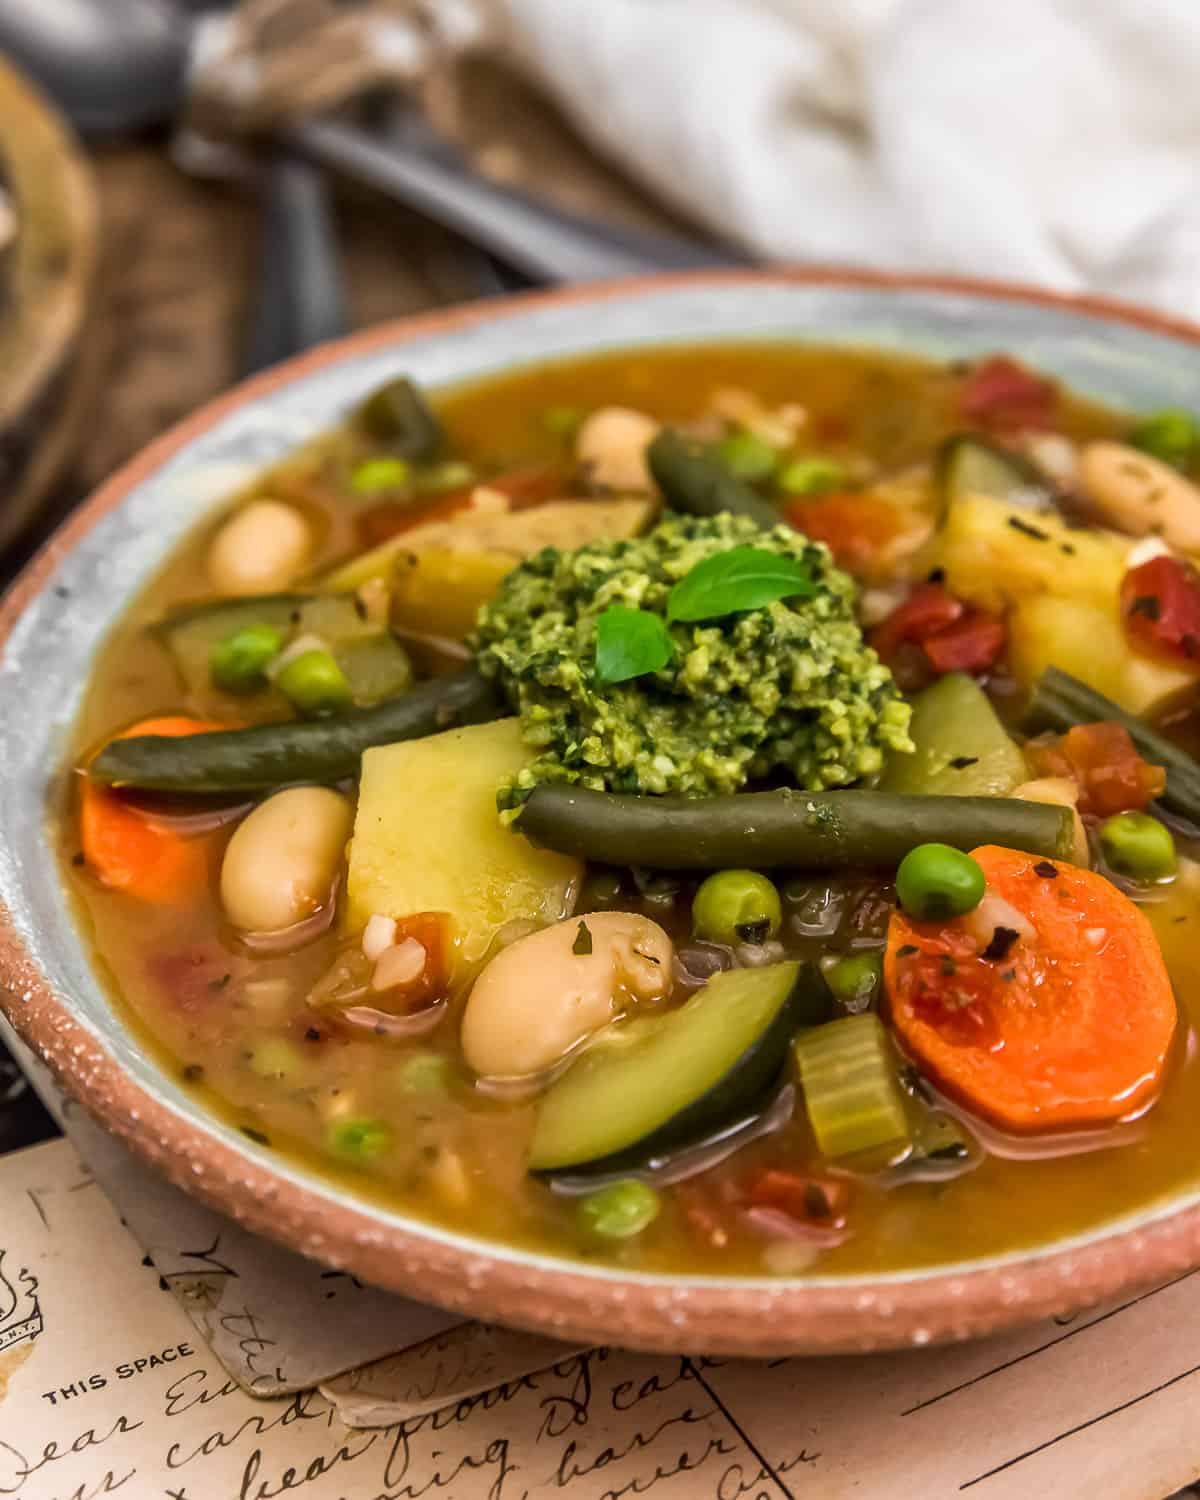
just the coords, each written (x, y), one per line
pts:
(105, 1388)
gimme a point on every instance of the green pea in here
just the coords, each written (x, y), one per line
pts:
(563, 421)
(747, 456)
(315, 683)
(359, 1140)
(1172, 435)
(935, 882)
(1138, 845)
(426, 1073)
(855, 980)
(810, 476)
(452, 475)
(239, 662)
(618, 1211)
(736, 906)
(375, 476)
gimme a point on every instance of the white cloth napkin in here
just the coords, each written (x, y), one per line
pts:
(1051, 141)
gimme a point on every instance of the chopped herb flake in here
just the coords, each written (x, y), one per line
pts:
(1147, 605)
(583, 940)
(1026, 529)
(961, 762)
(1001, 944)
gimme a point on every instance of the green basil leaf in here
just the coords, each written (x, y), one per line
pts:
(629, 643)
(742, 578)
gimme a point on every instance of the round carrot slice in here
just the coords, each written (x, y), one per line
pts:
(132, 854)
(1069, 1027)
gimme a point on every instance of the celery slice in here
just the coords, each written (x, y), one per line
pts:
(848, 1076)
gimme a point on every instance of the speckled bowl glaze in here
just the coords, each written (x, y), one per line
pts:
(70, 595)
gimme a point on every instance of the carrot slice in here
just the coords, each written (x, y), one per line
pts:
(132, 854)
(1069, 1027)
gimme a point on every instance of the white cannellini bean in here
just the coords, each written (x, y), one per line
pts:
(378, 935)
(281, 862)
(539, 998)
(263, 546)
(1055, 455)
(611, 445)
(1138, 494)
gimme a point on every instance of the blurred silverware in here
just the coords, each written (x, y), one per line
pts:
(115, 66)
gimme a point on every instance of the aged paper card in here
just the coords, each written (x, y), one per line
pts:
(107, 1390)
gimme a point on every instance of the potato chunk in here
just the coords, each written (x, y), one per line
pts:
(427, 837)
(508, 535)
(1089, 641)
(994, 555)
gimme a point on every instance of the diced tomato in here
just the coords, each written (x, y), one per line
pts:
(857, 528)
(1160, 602)
(1104, 761)
(811, 1200)
(523, 488)
(953, 637)
(972, 644)
(1004, 396)
(434, 931)
(929, 608)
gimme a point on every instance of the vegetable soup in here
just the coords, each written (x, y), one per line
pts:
(723, 810)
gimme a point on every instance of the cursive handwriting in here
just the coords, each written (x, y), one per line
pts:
(15, 1468)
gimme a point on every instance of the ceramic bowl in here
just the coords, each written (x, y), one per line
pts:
(69, 597)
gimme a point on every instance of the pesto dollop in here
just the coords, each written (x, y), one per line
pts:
(790, 687)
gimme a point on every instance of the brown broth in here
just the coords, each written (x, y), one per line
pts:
(458, 1155)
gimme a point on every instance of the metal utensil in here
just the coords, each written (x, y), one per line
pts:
(544, 242)
(115, 66)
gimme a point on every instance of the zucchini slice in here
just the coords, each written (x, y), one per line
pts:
(969, 465)
(663, 1082)
(375, 663)
(962, 749)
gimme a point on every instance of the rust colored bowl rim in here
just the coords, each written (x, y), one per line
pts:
(1118, 352)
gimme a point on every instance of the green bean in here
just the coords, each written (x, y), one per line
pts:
(396, 414)
(1060, 702)
(270, 755)
(695, 481)
(782, 830)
